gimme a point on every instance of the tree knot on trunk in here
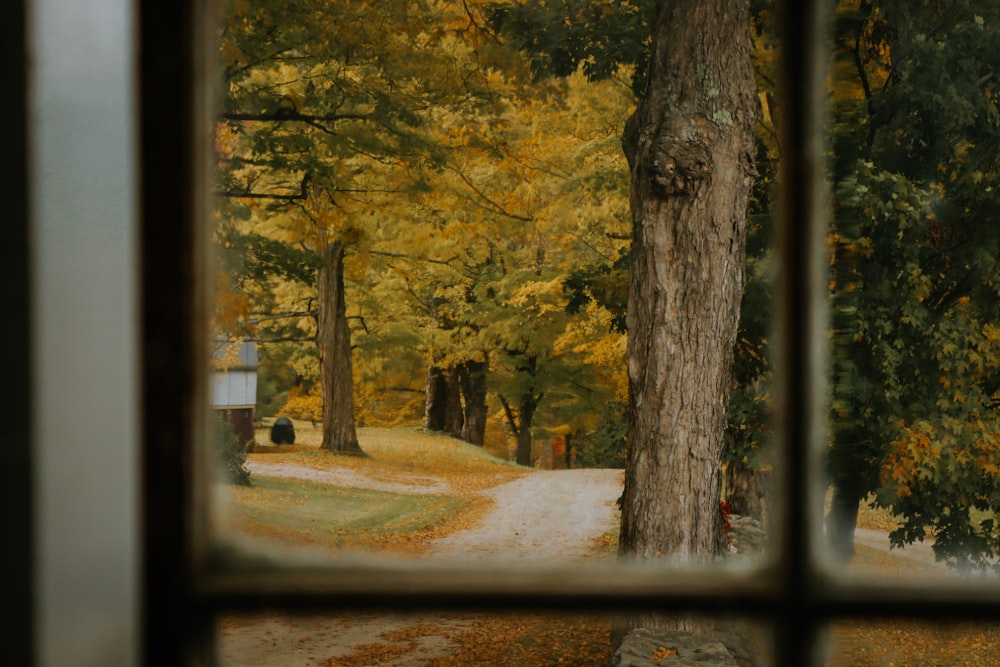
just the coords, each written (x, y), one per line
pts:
(679, 167)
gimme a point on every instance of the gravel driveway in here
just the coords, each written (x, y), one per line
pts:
(549, 515)
(543, 516)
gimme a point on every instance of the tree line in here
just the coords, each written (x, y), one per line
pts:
(481, 210)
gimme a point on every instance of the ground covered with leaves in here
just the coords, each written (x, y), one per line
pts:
(452, 477)
(492, 640)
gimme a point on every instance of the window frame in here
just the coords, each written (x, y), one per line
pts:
(17, 604)
(185, 588)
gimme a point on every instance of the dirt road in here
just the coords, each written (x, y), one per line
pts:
(549, 515)
(542, 516)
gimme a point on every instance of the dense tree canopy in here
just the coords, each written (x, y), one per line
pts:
(914, 248)
(443, 184)
(404, 157)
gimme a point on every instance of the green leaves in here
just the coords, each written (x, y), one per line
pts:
(560, 36)
(914, 247)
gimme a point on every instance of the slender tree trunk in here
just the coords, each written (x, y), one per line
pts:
(473, 382)
(333, 338)
(747, 491)
(520, 425)
(454, 416)
(689, 146)
(435, 402)
(841, 523)
(525, 415)
(443, 403)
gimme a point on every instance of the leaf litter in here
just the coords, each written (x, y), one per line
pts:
(413, 458)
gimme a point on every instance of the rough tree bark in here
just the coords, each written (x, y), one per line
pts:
(689, 146)
(333, 339)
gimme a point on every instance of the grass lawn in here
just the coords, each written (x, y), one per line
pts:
(307, 513)
(337, 518)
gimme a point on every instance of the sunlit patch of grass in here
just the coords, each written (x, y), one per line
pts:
(312, 514)
(416, 449)
(408, 450)
(318, 515)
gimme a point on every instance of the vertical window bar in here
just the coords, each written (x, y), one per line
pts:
(801, 332)
(17, 604)
(176, 628)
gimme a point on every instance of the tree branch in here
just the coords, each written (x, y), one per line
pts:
(493, 206)
(280, 316)
(286, 339)
(510, 415)
(361, 319)
(286, 114)
(302, 194)
(398, 255)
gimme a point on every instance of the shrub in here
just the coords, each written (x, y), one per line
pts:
(232, 455)
(607, 445)
(306, 407)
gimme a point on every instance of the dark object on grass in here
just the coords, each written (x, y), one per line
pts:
(283, 432)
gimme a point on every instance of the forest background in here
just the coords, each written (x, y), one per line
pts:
(423, 217)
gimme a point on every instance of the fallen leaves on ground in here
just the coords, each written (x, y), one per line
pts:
(392, 454)
(541, 640)
(536, 640)
(901, 643)
(906, 643)
(399, 455)
(663, 652)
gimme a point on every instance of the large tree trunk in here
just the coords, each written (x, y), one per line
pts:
(689, 147)
(333, 338)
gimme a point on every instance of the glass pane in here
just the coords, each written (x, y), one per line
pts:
(423, 252)
(459, 640)
(913, 247)
(903, 643)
